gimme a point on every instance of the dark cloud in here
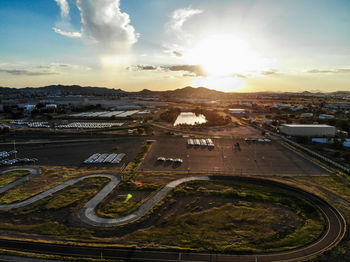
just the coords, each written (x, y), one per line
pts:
(197, 70)
(146, 67)
(26, 72)
(189, 70)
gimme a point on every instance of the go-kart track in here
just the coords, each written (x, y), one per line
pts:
(335, 225)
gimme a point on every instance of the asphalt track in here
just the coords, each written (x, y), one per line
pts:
(335, 227)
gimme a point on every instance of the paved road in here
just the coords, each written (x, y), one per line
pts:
(335, 227)
(87, 213)
(34, 171)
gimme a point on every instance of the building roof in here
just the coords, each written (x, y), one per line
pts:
(310, 126)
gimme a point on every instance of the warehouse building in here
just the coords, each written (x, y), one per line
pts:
(308, 130)
(237, 111)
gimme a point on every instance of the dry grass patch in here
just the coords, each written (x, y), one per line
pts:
(11, 176)
(49, 178)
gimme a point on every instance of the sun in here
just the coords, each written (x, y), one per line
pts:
(224, 55)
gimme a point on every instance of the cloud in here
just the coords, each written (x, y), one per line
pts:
(142, 68)
(103, 25)
(240, 75)
(40, 70)
(25, 72)
(67, 34)
(327, 71)
(269, 72)
(106, 25)
(58, 66)
(196, 70)
(190, 70)
(63, 4)
(180, 16)
(179, 39)
(146, 67)
(177, 53)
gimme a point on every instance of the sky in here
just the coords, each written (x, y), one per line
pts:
(227, 45)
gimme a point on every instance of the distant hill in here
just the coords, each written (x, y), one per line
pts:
(186, 92)
(62, 90)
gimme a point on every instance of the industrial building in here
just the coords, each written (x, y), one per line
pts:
(308, 130)
(237, 111)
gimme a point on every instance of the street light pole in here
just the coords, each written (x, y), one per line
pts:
(14, 148)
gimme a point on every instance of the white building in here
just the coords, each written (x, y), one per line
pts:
(237, 111)
(306, 115)
(308, 130)
(51, 106)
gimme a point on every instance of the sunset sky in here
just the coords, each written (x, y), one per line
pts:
(228, 45)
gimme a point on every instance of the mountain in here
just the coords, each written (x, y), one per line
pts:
(57, 90)
(186, 92)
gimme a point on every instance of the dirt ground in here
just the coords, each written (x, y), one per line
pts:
(73, 154)
(251, 158)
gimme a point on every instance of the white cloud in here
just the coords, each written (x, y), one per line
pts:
(63, 4)
(179, 38)
(68, 34)
(180, 16)
(106, 25)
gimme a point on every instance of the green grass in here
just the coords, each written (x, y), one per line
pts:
(264, 223)
(49, 178)
(12, 176)
(134, 165)
(117, 209)
(244, 217)
(74, 195)
(40, 218)
(227, 228)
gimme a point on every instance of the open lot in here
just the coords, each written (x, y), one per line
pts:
(252, 158)
(74, 153)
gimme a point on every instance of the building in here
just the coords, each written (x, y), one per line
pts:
(324, 116)
(237, 111)
(306, 115)
(29, 107)
(51, 106)
(308, 130)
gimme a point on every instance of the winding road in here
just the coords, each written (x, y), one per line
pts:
(333, 233)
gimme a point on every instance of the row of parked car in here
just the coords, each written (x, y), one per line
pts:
(163, 159)
(4, 154)
(10, 162)
(105, 158)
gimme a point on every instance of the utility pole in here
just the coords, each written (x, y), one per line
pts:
(14, 148)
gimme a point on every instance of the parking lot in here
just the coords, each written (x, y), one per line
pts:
(73, 154)
(248, 158)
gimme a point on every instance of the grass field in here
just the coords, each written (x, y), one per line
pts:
(50, 177)
(51, 215)
(247, 218)
(203, 216)
(12, 176)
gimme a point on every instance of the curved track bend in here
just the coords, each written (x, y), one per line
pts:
(334, 230)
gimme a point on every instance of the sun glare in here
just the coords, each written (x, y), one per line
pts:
(223, 55)
(219, 83)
